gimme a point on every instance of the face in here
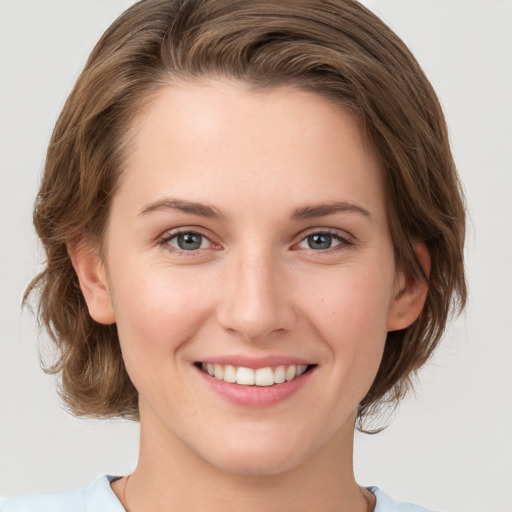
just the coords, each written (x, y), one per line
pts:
(250, 271)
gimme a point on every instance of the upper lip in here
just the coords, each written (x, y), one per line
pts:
(255, 362)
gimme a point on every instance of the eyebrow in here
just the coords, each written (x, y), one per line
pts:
(302, 213)
(324, 209)
(169, 203)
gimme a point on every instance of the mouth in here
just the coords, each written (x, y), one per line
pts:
(263, 377)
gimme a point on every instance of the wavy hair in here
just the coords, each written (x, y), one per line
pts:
(335, 48)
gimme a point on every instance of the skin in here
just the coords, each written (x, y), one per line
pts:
(254, 288)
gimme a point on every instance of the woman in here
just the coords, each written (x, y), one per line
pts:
(254, 233)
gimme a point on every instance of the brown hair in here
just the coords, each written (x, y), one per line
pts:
(336, 48)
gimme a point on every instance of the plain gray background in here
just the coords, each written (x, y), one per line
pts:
(450, 446)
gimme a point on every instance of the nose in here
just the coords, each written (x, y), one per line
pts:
(256, 301)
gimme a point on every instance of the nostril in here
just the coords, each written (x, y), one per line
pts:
(254, 300)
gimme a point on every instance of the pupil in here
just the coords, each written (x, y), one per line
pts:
(320, 241)
(189, 241)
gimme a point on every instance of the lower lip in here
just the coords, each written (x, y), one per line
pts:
(255, 396)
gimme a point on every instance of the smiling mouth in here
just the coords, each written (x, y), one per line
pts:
(267, 376)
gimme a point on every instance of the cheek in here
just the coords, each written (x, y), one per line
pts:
(350, 313)
(157, 310)
(353, 300)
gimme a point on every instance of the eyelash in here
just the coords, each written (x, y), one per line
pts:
(345, 241)
(167, 237)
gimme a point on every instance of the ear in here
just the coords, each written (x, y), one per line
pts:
(411, 293)
(92, 277)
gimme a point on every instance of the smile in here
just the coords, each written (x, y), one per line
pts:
(267, 376)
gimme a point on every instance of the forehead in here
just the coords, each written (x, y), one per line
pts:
(192, 138)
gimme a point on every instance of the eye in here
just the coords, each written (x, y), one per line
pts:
(187, 241)
(319, 241)
(323, 240)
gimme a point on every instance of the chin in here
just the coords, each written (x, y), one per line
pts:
(257, 466)
(257, 459)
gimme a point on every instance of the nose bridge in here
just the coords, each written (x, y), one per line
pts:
(256, 303)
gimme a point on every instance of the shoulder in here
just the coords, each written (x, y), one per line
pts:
(387, 504)
(97, 497)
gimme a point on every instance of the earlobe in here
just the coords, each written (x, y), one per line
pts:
(411, 294)
(92, 277)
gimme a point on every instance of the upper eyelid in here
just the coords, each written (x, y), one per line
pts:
(341, 233)
(345, 240)
(164, 240)
(171, 233)
(336, 232)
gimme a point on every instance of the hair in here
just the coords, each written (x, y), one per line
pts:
(335, 48)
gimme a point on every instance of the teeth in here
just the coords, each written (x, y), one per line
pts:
(279, 374)
(229, 373)
(290, 372)
(245, 376)
(264, 377)
(218, 371)
(301, 368)
(267, 376)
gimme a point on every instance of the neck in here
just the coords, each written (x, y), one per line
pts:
(169, 477)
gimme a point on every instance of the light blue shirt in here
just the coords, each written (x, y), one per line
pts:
(99, 497)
